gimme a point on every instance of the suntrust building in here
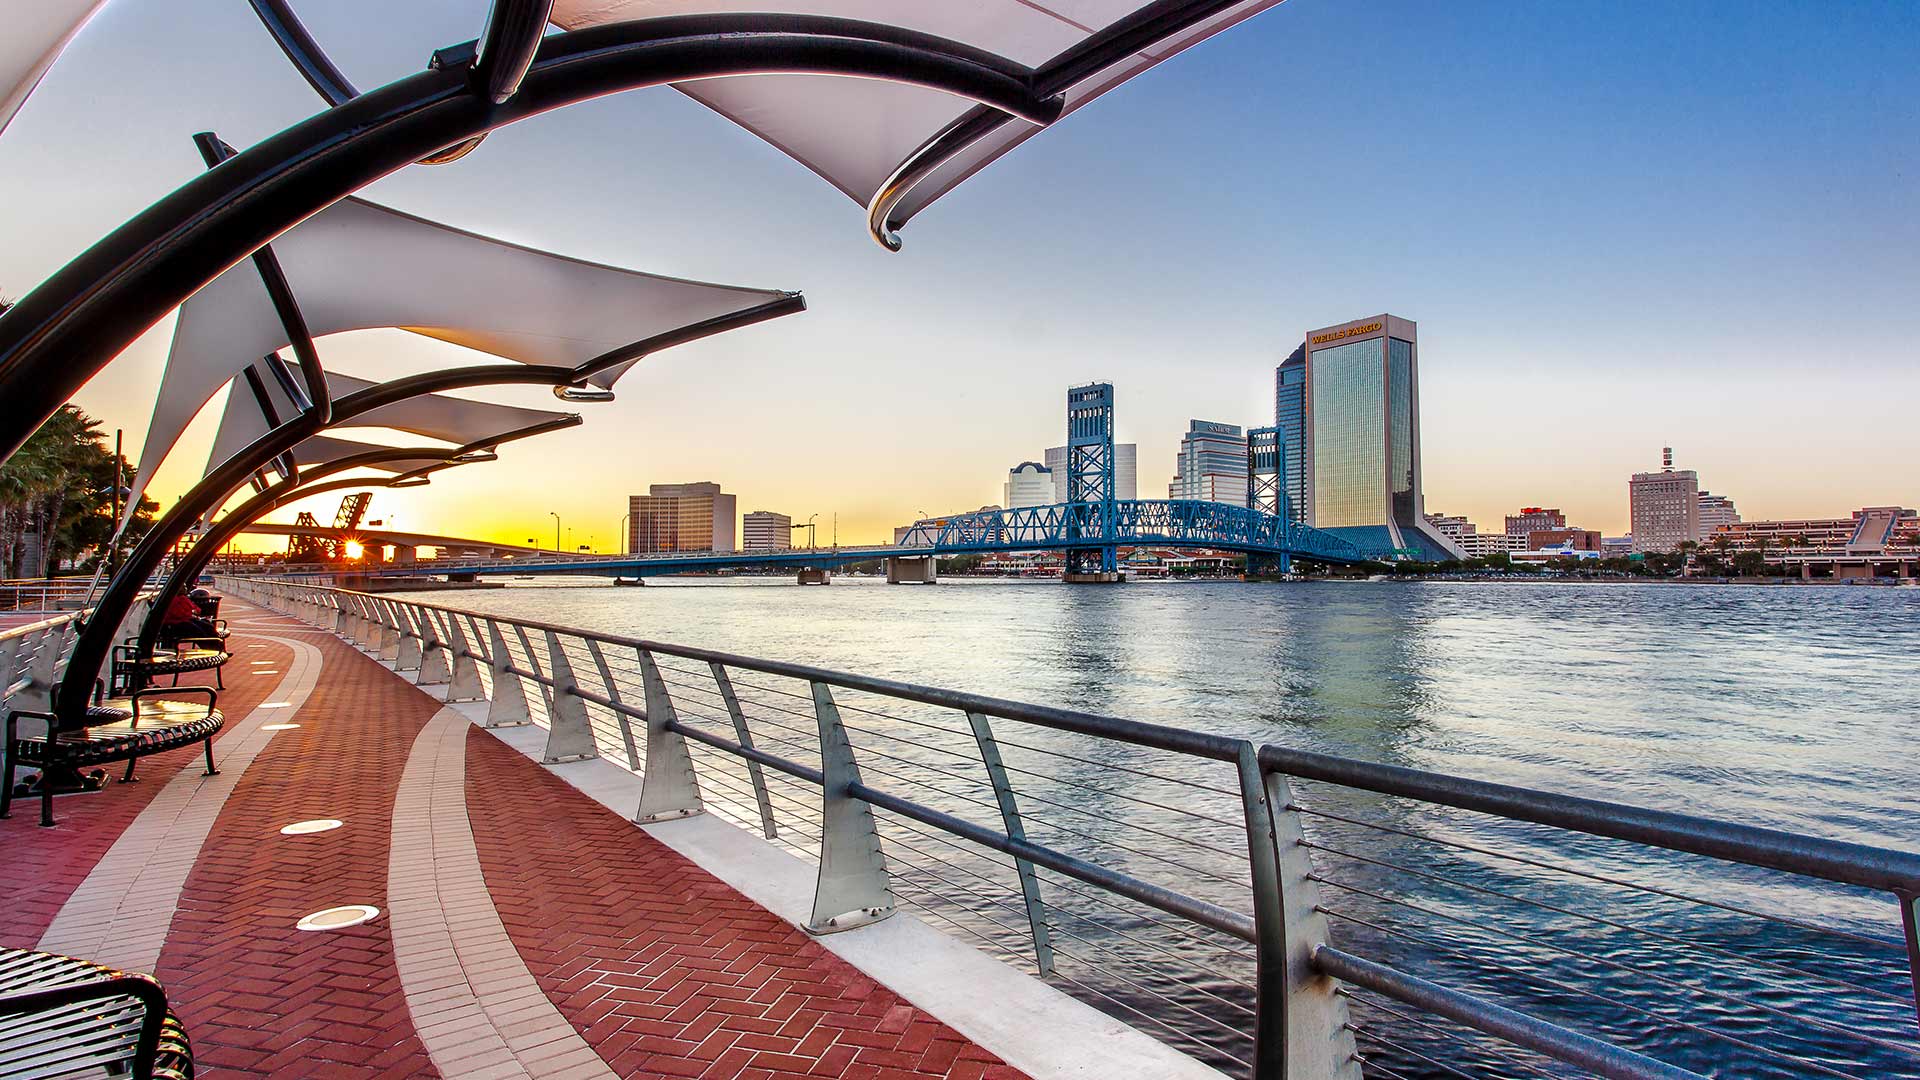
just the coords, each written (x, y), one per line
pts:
(1362, 398)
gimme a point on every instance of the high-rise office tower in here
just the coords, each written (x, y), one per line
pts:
(1212, 465)
(1290, 418)
(1363, 437)
(764, 530)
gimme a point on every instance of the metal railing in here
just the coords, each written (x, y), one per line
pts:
(1274, 912)
(33, 655)
(45, 594)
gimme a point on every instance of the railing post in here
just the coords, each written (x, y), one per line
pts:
(406, 652)
(465, 685)
(569, 734)
(389, 630)
(1300, 1029)
(365, 635)
(613, 695)
(853, 888)
(434, 668)
(1910, 920)
(745, 738)
(1010, 817)
(509, 705)
(668, 786)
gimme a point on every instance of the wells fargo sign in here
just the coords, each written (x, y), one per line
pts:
(1351, 331)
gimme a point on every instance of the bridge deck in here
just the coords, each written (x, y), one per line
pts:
(524, 930)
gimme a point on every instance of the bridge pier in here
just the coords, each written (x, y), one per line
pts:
(810, 575)
(913, 571)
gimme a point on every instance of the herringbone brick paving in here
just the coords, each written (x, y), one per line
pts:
(667, 970)
(46, 865)
(259, 997)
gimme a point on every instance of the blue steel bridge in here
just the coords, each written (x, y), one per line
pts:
(1092, 527)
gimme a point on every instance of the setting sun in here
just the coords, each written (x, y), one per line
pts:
(354, 549)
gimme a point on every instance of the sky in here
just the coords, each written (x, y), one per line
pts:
(1619, 226)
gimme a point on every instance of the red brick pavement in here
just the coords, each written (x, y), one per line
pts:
(46, 865)
(666, 970)
(259, 997)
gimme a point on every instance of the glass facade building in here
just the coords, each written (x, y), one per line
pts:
(1213, 464)
(1290, 421)
(1362, 424)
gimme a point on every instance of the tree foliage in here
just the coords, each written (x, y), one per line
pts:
(59, 488)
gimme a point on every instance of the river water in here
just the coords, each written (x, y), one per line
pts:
(1786, 707)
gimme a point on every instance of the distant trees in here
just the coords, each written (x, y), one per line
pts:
(59, 488)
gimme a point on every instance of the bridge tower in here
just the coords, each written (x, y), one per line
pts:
(1090, 486)
(1267, 490)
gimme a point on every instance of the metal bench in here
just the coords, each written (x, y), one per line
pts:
(119, 729)
(65, 1017)
(132, 671)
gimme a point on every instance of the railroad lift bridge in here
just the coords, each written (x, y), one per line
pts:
(1090, 527)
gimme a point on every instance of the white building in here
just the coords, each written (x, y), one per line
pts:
(1126, 471)
(1028, 484)
(764, 530)
(1715, 511)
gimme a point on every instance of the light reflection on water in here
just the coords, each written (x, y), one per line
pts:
(1783, 707)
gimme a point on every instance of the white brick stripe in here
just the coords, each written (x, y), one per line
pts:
(120, 915)
(474, 1004)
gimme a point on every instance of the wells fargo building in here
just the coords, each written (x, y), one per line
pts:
(1363, 436)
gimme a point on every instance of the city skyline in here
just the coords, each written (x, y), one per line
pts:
(1578, 310)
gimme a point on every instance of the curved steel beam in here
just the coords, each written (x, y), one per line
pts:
(247, 513)
(306, 54)
(90, 650)
(507, 45)
(61, 333)
(1141, 30)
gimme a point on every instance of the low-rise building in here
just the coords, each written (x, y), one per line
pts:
(764, 530)
(1577, 539)
(1531, 518)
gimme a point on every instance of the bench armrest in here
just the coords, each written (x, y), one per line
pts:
(153, 1002)
(170, 691)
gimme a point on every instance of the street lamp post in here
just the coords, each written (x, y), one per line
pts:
(555, 515)
(621, 533)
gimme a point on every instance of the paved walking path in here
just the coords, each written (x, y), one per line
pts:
(523, 929)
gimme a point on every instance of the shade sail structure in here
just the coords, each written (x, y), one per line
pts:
(36, 32)
(357, 266)
(452, 420)
(858, 133)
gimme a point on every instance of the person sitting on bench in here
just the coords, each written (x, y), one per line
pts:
(184, 620)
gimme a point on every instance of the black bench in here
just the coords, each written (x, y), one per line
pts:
(131, 670)
(65, 1017)
(119, 729)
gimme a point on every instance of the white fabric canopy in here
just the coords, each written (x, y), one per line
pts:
(856, 132)
(37, 31)
(357, 265)
(452, 420)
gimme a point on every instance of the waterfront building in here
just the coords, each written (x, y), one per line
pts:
(1664, 506)
(681, 517)
(1873, 541)
(1126, 471)
(1531, 518)
(764, 530)
(1290, 418)
(1212, 465)
(1576, 539)
(1715, 512)
(1028, 484)
(1616, 547)
(1479, 545)
(1363, 436)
